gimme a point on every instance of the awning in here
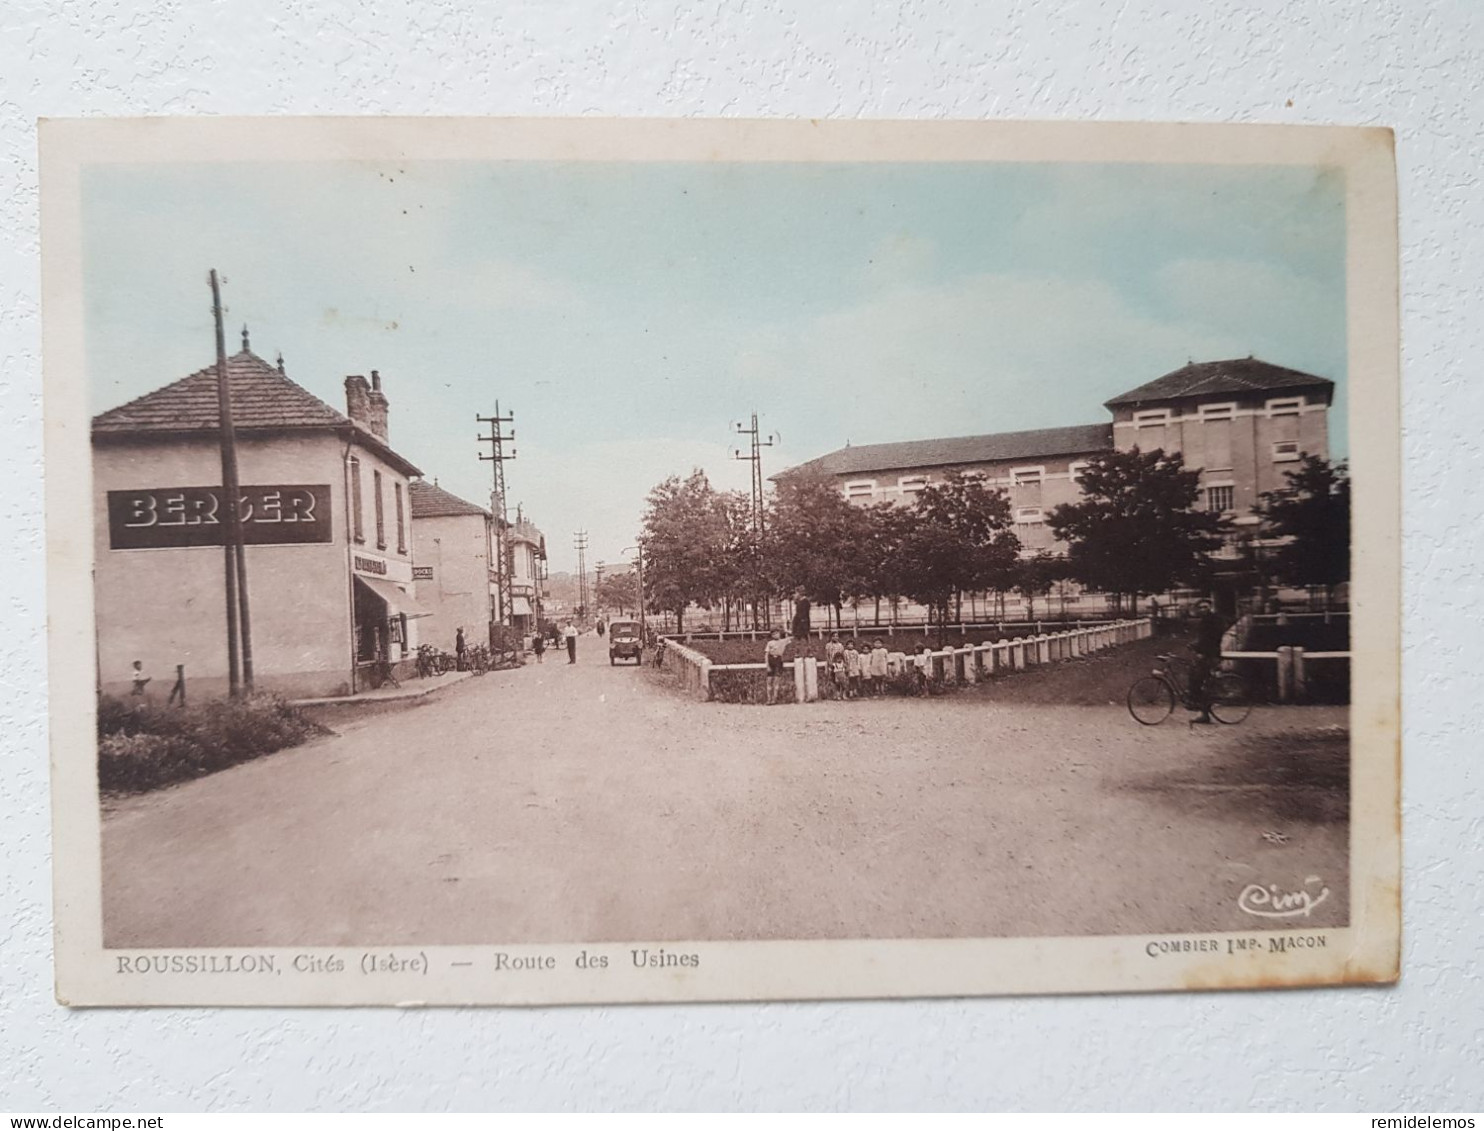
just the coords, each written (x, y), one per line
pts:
(395, 597)
(520, 607)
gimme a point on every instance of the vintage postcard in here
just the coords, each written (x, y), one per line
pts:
(515, 561)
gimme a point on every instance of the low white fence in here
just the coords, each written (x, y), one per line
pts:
(1292, 678)
(961, 664)
(893, 631)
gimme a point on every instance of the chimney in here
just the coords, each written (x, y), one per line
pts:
(358, 401)
(376, 421)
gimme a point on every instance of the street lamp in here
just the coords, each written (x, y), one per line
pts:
(639, 570)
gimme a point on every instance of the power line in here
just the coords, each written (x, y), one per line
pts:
(754, 456)
(579, 542)
(497, 459)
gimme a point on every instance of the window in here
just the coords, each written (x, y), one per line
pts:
(1074, 472)
(1027, 476)
(1028, 516)
(1225, 411)
(911, 484)
(1220, 498)
(401, 519)
(1285, 406)
(355, 498)
(860, 489)
(380, 510)
(1285, 451)
(1152, 418)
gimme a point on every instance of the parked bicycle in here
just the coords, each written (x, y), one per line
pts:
(1153, 697)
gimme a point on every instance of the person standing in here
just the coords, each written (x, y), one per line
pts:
(834, 665)
(570, 634)
(538, 645)
(773, 653)
(921, 666)
(878, 668)
(459, 647)
(140, 678)
(852, 671)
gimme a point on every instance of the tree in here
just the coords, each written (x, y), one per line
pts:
(959, 539)
(1312, 517)
(813, 541)
(879, 557)
(685, 542)
(619, 591)
(1035, 576)
(1136, 529)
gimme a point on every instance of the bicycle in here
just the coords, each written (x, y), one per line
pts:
(1152, 698)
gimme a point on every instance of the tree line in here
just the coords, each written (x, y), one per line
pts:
(1138, 529)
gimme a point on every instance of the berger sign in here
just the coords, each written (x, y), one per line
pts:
(156, 517)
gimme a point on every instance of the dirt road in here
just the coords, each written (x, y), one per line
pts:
(590, 803)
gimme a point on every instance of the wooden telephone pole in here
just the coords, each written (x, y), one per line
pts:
(239, 616)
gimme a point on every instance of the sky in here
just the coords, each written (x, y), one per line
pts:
(630, 314)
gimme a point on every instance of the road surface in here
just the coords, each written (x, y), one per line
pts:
(591, 803)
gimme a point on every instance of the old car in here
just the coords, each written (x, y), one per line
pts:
(625, 642)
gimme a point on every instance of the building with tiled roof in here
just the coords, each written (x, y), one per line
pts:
(455, 559)
(1242, 422)
(1239, 377)
(326, 534)
(264, 400)
(431, 501)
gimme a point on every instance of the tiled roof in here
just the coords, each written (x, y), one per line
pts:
(431, 501)
(262, 397)
(1205, 378)
(961, 450)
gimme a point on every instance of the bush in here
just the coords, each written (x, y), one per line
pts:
(142, 746)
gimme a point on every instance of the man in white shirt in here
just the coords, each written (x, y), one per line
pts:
(570, 635)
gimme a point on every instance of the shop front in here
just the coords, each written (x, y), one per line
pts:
(384, 611)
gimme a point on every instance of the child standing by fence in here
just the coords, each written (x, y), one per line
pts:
(878, 668)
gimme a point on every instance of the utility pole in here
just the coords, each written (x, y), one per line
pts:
(497, 458)
(754, 456)
(234, 558)
(598, 583)
(579, 543)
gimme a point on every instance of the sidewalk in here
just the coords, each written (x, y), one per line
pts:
(410, 689)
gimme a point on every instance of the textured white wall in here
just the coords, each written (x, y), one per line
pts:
(1412, 64)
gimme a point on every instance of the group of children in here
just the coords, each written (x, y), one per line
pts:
(852, 668)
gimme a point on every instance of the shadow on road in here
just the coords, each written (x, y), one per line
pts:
(1292, 776)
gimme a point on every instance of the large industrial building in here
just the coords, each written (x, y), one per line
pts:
(1242, 423)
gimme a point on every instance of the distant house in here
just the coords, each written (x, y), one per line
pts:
(453, 562)
(527, 547)
(1241, 422)
(324, 507)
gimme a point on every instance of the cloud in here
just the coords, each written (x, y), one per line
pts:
(985, 353)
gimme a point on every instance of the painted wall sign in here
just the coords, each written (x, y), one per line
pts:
(422, 573)
(276, 514)
(369, 565)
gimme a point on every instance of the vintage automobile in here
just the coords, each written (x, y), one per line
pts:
(625, 642)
